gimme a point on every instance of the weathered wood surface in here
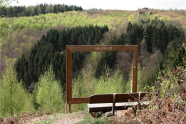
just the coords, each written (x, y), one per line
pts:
(127, 97)
(135, 69)
(79, 100)
(116, 104)
(101, 98)
(68, 74)
(100, 105)
(101, 48)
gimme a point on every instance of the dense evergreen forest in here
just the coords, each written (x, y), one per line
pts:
(19, 11)
(34, 53)
(50, 49)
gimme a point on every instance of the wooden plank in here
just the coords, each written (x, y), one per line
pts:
(116, 104)
(142, 95)
(126, 104)
(68, 75)
(101, 98)
(126, 97)
(135, 70)
(100, 105)
(79, 100)
(103, 109)
(131, 103)
(101, 48)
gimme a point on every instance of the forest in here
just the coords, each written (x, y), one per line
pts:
(33, 54)
(20, 11)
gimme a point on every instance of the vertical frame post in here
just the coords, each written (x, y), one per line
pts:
(68, 77)
(135, 70)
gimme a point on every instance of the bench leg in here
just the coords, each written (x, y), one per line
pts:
(113, 110)
(113, 106)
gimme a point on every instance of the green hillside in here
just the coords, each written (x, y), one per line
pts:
(34, 52)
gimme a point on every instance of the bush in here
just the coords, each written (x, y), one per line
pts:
(110, 84)
(49, 94)
(14, 97)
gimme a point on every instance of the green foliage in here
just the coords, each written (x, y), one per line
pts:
(14, 97)
(141, 77)
(79, 90)
(18, 11)
(94, 56)
(87, 85)
(49, 96)
(175, 57)
(79, 87)
(168, 83)
(157, 34)
(84, 85)
(34, 100)
(4, 26)
(110, 84)
(88, 119)
(182, 17)
(150, 13)
(107, 58)
(130, 18)
(69, 19)
(128, 86)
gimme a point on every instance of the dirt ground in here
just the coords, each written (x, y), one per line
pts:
(54, 119)
(71, 118)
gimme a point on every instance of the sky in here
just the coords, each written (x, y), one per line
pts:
(111, 4)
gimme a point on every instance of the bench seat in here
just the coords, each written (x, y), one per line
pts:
(130, 103)
(104, 107)
(116, 104)
(100, 105)
(108, 106)
(104, 102)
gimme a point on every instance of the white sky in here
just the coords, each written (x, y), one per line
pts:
(111, 4)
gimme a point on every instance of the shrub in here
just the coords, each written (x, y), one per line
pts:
(110, 84)
(49, 96)
(14, 98)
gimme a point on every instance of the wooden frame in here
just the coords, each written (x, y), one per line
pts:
(95, 48)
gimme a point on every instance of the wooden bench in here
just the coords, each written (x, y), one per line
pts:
(111, 102)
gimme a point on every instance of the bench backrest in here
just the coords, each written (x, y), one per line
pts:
(142, 95)
(126, 97)
(129, 97)
(101, 98)
(119, 97)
